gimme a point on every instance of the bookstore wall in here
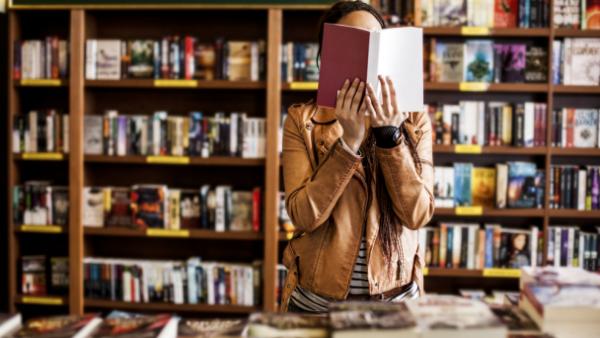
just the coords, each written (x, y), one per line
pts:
(144, 157)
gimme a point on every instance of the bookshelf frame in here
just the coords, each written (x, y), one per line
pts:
(275, 90)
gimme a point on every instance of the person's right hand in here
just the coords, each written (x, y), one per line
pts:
(351, 113)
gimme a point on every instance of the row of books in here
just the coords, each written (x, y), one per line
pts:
(572, 187)
(570, 246)
(280, 282)
(146, 206)
(580, 14)
(41, 59)
(299, 62)
(116, 134)
(467, 245)
(489, 123)
(179, 282)
(486, 13)
(175, 57)
(575, 128)
(484, 61)
(574, 61)
(41, 131)
(40, 203)
(514, 184)
(42, 275)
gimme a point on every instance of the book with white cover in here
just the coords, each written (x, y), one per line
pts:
(9, 324)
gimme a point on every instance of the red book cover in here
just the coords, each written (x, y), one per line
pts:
(345, 55)
(256, 208)
(54, 69)
(570, 125)
(189, 57)
(592, 14)
(505, 13)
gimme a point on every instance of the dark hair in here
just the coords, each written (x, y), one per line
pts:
(389, 231)
(342, 8)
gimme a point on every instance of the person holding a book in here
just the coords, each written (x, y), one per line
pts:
(359, 184)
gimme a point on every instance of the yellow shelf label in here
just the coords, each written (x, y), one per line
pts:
(168, 159)
(475, 31)
(502, 272)
(469, 211)
(41, 82)
(304, 85)
(42, 300)
(425, 271)
(44, 156)
(176, 83)
(289, 235)
(467, 149)
(473, 86)
(167, 233)
(41, 228)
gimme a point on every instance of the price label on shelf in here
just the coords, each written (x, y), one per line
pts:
(43, 156)
(502, 273)
(42, 300)
(467, 149)
(304, 85)
(176, 83)
(473, 86)
(167, 233)
(168, 159)
(41, 228)
(41, 82)
(469, 211)
(425, 271)
(475, 31)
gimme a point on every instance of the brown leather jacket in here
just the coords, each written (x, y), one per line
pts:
(326, 191)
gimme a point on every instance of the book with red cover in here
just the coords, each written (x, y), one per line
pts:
(505, 13)
(59, 327)
(350, 52)
(592, 14)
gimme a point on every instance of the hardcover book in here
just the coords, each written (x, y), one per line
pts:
(59, 327)
(592, 14)
(509, 63)
(516, 320)
(60, 205)
(451, 13)
(142, 63)
(211, 328)
(583, 62)
(92, 134)
(536, 69)
(108, 60)
(462, 184)
(119, 202)
(515, 253)
(241, 219)
(33, 279)
(585, 128)
(239, 60)
(479, 61)
(505, 13)
(148, 206)
(59, 275)
(190, 209)
(521, 185)
(450, 62)
(357, 319)
(93, 207)
(156, 326)
(271, 325)
(350, 53)
(483, 186)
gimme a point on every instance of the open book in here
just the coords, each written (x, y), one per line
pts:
(350, 52)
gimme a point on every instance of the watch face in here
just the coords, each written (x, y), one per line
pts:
(397, 135)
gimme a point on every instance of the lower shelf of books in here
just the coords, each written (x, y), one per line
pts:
(168, 307)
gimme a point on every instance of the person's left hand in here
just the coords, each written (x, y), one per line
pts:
(385, 113)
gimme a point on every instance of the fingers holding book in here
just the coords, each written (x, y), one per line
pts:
(386, 112)
(350, 110)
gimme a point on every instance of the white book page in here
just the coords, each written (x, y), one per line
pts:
(401, 58)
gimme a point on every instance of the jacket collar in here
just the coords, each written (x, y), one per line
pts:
(323, 115)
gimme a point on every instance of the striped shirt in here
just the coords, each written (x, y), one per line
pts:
(308, 301)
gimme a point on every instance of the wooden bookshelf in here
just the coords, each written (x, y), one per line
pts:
(274, 24)
(569, 32)
(185, 234)
(170, 84)
(167, 307)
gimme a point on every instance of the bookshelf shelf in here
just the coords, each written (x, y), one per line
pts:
(182, 84)
(572, 89)
(491, 87)
(167, 307)
(46, 83)
(195, 161)
(572, 213)
(491, 212)
(568, 32)
(497, 150)
(486, 32)
(192, 233)
(41, 157)
(41, 300)
(575, 151)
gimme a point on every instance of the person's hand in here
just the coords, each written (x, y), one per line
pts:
(351, 113)
(385, 113)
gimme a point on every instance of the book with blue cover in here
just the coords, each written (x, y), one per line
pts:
(479, 61)
(522, 190)
(462, 184)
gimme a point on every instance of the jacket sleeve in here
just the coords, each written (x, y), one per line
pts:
(411, 190)
(312, 195)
